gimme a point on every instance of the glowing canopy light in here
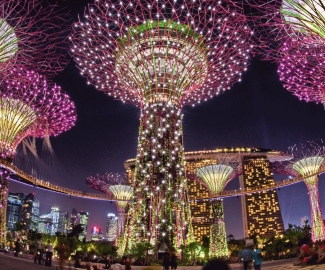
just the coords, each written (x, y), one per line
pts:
(122, 193)
(8, 41)
(215, 176)
(31, 107)
(307, 16)
(308, 166)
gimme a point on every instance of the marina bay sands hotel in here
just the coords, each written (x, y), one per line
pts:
(260, 211)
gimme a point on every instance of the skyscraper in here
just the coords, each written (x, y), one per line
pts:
(55, 213)
(27, 211)
(83, 221)
(261, 211)
(111, 227)
(45, 224)
(14, 205)
(74, 219)
(96, 234)
(35, 215)
(63, 226)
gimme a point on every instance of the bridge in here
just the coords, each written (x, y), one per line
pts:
(33, 181)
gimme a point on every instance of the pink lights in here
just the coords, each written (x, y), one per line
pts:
(149, 51)
(29, 106)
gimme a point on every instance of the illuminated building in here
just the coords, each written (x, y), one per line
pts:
(96, 234)
(201, 210)
(63, 226)
(55, 213)
(14, 204)
(26, 211)
(83, 221)
(45, 224)
(74, 219)
(111, 227)
(261, 211)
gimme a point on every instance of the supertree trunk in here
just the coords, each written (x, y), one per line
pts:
(218, 237)
(160, 211)
(4, 175)
(317, 223)
(120, 222)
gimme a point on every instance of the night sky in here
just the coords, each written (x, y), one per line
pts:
(257, 112)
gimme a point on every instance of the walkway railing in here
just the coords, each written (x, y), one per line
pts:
(82, 194)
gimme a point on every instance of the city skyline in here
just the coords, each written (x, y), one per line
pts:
(256, 112)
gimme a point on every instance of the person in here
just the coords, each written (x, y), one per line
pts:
(39, 251)
(77, 263)
(257, 258)
(246, 257)
(62, 250)
(49, 253)
(17, 247)
(173, 261)
(216, 264)
(127, 264)
(166, 260)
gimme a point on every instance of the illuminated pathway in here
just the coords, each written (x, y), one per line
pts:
(33, 181)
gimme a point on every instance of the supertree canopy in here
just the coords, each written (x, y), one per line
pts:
(215, 177)
(161, 55)
(308, 159)
(302, 68)
(29, 106)
(116, 186)
(306, 16)
(32, 33)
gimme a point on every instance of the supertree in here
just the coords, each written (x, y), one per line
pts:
(161, 55)
(29, 106)
(215, 177)
(302, 67)
(291, 33)
(308, 160)
(121, 191)
(32, 33)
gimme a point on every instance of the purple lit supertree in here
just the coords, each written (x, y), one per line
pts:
(117, 186)
(302, 67)
(29, 106)
(33, 34)
(161, 55)
(292, 34)
(308, 160)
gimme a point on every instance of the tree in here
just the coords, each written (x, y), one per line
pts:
(76, 230)
(141, 250)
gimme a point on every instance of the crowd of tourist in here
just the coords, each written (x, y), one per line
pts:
(314, 254)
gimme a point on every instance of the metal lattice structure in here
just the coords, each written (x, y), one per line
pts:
(301, 69)
(4, 175)
(29, 106)
(115, 185)
(33, 34)
(161, 56)
(308, 159)
(215, 177)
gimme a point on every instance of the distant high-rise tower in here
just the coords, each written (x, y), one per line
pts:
(55, 213)
(74, 219)
(111, 227)
(35, 215)
(45, 224)
(83, 221)
(27, 211)
(14, 204)
(63, 226)
(261, 211)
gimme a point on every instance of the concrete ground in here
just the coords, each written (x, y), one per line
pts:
(9, 262)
